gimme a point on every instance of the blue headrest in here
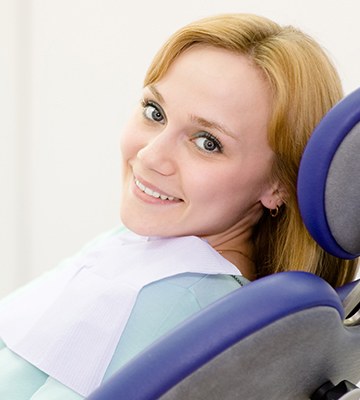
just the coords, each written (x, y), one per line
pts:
(329, 180)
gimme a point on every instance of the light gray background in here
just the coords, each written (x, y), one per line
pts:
(70, 73)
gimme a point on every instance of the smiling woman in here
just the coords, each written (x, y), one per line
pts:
(210, 161)
(199, 142)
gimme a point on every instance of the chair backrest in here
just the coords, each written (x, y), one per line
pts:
(329, 180)
(329, 186)
(264, 341)
(283, 336)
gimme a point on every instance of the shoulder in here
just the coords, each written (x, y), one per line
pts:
(164, 304)
(201, 288)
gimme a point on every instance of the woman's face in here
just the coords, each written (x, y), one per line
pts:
(195, 153)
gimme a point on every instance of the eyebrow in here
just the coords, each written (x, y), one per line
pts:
(199, 120)
(156, 93)
(212, 125)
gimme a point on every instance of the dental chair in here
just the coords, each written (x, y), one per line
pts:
(289, 336)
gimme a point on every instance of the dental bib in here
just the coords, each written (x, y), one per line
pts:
(69, 323)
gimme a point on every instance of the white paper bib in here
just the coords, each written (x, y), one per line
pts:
(69, 325)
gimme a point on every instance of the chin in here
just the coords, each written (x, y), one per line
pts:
(140, 228)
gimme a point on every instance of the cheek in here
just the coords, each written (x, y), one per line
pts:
(129, 141)
(234, 187)
(211, 184)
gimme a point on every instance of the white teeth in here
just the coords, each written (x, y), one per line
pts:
(140, 185)
(152, 193)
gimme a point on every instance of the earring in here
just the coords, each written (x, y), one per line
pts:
(274, 211)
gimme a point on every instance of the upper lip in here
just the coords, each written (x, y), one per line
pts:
(154, 188)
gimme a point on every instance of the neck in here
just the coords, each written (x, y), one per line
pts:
(237, 248)
(242, 262)
(236, 243)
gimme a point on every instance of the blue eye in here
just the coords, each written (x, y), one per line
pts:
(207, 142)
(153, 112)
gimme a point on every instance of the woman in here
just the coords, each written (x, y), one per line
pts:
(210, 163)
(303, 85)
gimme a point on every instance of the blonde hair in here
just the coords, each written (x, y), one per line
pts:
(305, 85)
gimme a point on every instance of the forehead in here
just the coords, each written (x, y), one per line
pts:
(217, 68)
(215, 82)
(222, 56)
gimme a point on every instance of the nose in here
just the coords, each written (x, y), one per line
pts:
(158, 154)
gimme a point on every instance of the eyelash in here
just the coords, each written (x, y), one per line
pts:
(213, 139)
(148, 103)
(145, 103)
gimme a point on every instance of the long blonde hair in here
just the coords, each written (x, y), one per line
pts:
(305, 85)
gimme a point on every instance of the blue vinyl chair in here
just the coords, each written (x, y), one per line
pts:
(289, 336)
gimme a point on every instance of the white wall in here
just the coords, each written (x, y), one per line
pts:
(70, 73)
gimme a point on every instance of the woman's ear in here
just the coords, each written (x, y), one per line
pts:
(274, 197)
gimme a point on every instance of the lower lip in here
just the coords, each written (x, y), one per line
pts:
(150, 199)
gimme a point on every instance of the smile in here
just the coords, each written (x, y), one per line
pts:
(153, 193)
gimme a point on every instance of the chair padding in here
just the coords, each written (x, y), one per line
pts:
(203, 345)
(328, 181)
(342, 192)
(286, 360)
